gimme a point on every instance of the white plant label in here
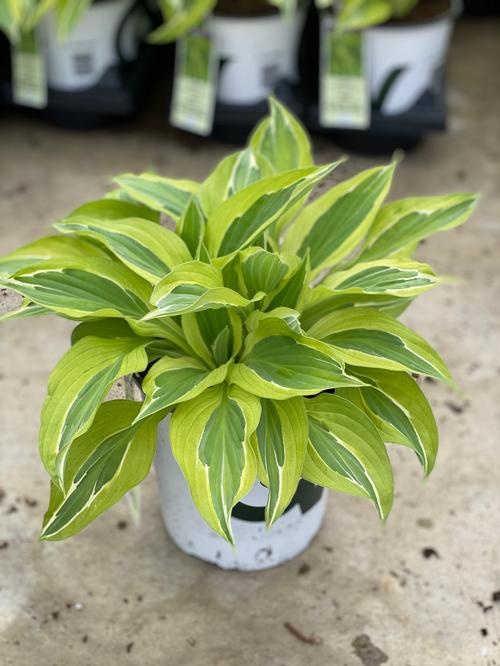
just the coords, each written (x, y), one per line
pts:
(29, 78)
(195, 83)
(344, 99)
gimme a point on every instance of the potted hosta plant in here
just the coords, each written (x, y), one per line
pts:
(405, 46)
(254, 44)
(263, 330)
(79, 40)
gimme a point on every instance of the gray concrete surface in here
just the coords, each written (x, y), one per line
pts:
(118, 594)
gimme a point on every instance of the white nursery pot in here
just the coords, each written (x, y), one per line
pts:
(256, 546)
(80, 61)
(254, 54)
(418, 49)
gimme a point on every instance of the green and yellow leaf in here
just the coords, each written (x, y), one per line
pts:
(385, 276)
(50, 248)
(279, 364)
(148, 249)
(77, 386)
(281, 445)
(172, 381)
(103, 464)
(331, 227)
(370, 338)
(282, 140)
(405, 222)
(242, 218)
(399, 409)
(346, 452)
(192, 287)
(165, 195)
(81, 288)
(210, 441)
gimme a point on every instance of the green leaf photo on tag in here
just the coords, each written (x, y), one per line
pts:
(29, 77)
(344, 95)
(195, 83)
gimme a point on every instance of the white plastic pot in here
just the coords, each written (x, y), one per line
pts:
(254, 53)
(256, 547)
(413, 54)
(91, 49)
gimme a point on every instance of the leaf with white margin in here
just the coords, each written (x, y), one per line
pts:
(148, 249)
(320, 301)
(166, 195)
(78, 384)
(278, 364)
(191, 227)
(210, 441)
(346, 452)
(203, 330)
(282, 139)
(192, 287)
(84, 287)
(281, 444)
(50, 248)
(333, 225)
(370, 338)
(102, 465)
(384, 276)
(407, 221)
(242, 218)
(171, 381)
(399, 409)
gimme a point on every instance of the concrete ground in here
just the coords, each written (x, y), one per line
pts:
(419, 591)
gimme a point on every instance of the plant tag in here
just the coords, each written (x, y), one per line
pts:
(344, 99)
(195, 83)
(29, 78)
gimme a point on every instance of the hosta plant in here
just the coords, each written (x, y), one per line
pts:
(263, 320)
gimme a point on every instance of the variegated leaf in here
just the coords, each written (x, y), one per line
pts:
(232, 174)
(331, 227)
(206, 331)
(346, 452)
(50, 248)
(191, 227)
(321, 301)
(370, 338)
(180, 18)
(25, 310)
(81, 288)
(148, 249)
(290, 294)
(279, 363)
(104, 210)
(404, 222)
(166, 195)
(193, 287)
(77, 386)
(282, 140)
(399, 409)
(385, 276)
(102, 328)
(102, 465)
(247, 214)
(210, 441)
(172, 381)
(281, 444)
(261, 270)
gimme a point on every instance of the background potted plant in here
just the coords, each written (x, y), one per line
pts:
(405, 47)
(82, 61)
(265, 325)
(254, 45)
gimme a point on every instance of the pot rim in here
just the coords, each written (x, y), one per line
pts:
(452, 13)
